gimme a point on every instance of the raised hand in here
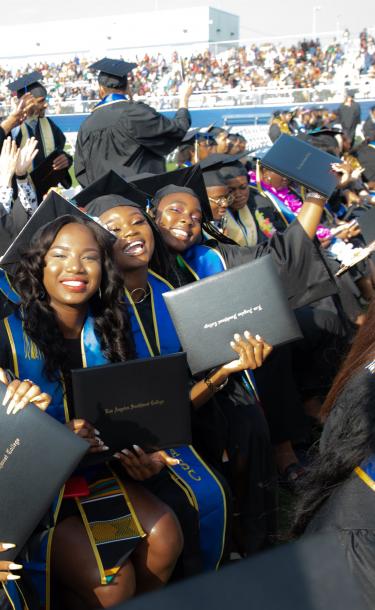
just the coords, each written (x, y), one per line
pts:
(8, 161)
(252, 352)
(26, 156)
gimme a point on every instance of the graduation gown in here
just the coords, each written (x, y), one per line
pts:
(298, 259)
(350, 511)
(49, 140)
(11, 224)
(349, 117)
(366, 156)
(128, 137)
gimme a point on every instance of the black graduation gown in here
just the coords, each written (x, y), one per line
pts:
(350, 510)
(349, 514)
(60, 140)
(298, 259)
(349, 117)
(233, 421)
(369, 129)
(11, 224)
(128, 137)
(366, 156)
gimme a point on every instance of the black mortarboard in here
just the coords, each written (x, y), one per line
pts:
(111, 184)
(51, 208)
(30, 83)
(213, 178)
(197, 134)
(218, 160)
(310, 574)
(113, 72)
(187, 177)
(210, 168)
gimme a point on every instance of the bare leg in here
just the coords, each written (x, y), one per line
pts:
(151, 564)
(154, 560)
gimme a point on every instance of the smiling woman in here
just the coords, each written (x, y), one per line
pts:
(72, 317)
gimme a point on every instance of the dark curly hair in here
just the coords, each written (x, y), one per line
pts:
(111, 321)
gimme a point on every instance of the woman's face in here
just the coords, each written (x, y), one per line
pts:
(179, 218)
(239, 189)
(219, 199)
(273, 179)
(72, 266)
(135, 241)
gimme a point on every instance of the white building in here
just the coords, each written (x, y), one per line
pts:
(133, 34)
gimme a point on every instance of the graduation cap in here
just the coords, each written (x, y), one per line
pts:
(113, 72)
(310, 574)
(187, 177)
(51, 208)
(29, 83)
(111, 184)
(196, 134)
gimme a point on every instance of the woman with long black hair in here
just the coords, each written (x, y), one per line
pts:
(143, 261)
(338, 490)
(71, 315)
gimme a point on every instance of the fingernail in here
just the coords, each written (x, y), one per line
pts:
(13, 576)
(175, 462)
(258, 337)
(117, 456)
(232, 344)
(105, 448)
(8, 545)
(6, 398)
(10, 407)
(15, 566)
(237, 337)
(96, 432)
(247, 334)
(137, 448)
(126, 452)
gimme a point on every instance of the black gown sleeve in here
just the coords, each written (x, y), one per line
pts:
(298, 260)
(153, 130)
(6, 359)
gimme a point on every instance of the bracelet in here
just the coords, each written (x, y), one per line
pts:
(314, 195)
(212, 387)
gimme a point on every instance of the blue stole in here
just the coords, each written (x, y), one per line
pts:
(199, 483)
(7, 289)
(203, 261)
(165, 335)
(14, 595)
(28, 363)
(111, 99)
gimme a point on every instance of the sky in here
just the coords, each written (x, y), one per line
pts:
(258, 20)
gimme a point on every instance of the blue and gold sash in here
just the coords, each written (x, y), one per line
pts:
(15, 595)
(366, 471)
(7, 289)
(202, 488)
(122, 530)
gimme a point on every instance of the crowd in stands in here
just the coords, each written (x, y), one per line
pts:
(307, 63)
